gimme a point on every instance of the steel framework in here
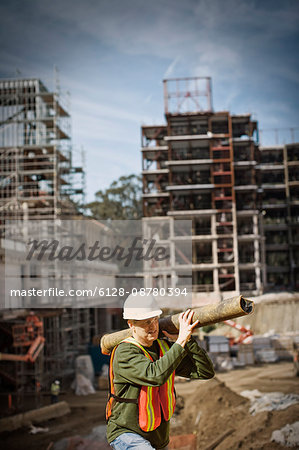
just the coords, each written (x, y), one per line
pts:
(35, 152)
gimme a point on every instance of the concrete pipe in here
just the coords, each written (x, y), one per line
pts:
(207, 315)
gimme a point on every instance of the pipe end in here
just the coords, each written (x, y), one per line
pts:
(246, 305)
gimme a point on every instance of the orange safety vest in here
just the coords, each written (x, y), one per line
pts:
(151, 400)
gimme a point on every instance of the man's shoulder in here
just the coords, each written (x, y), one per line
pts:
(128, 348)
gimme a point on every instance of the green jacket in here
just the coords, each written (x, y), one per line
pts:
(133, 369)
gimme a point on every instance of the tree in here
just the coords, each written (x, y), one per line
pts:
(121, 200)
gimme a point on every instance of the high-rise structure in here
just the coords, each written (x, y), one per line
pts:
(278, 175)
(205, 165)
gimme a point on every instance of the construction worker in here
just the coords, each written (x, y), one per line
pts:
(55, 390)
(141, 375)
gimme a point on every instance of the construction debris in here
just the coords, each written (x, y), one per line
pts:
(83, 385)
(35, 430)
(183, 442)
(266, 356)
(287, 436)
(219, 439)
(270, 401)
(245, 354)
(35, 416)
(84, 367)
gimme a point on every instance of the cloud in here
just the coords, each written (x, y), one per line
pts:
(113, 54)
(208, 37)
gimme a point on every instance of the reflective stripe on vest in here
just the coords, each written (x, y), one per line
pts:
(109, 405)
(151, 400)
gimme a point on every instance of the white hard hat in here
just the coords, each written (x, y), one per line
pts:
(140, 307)
(57, 382)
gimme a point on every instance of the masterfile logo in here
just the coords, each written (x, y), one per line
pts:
(52, 250)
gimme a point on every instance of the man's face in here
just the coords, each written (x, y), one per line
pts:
(145, 331)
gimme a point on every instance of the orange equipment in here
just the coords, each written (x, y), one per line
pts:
(30, 334)
(246, 336)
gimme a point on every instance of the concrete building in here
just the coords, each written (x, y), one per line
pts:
(278, 175)
(207, 166)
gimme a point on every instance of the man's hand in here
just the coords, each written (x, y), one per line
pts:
(186, 327)
(170, 337)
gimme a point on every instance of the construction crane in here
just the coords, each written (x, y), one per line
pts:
(244, 338)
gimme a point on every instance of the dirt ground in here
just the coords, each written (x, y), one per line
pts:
(212, 409)
(215, 411)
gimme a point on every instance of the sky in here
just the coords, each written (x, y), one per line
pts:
(112, 55)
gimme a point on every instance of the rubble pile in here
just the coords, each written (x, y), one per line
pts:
(287, 436)
(270, 401)
(222, 418)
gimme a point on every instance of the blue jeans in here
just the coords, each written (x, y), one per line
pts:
(128, 441)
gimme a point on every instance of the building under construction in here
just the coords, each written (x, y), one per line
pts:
(38, 181)
(36, 169)
(208, 166)
(278, 178)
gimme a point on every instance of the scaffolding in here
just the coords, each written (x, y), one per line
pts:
(67, 333)
(35, 153)
(37, 352)
(22, 362)
(39, 181)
